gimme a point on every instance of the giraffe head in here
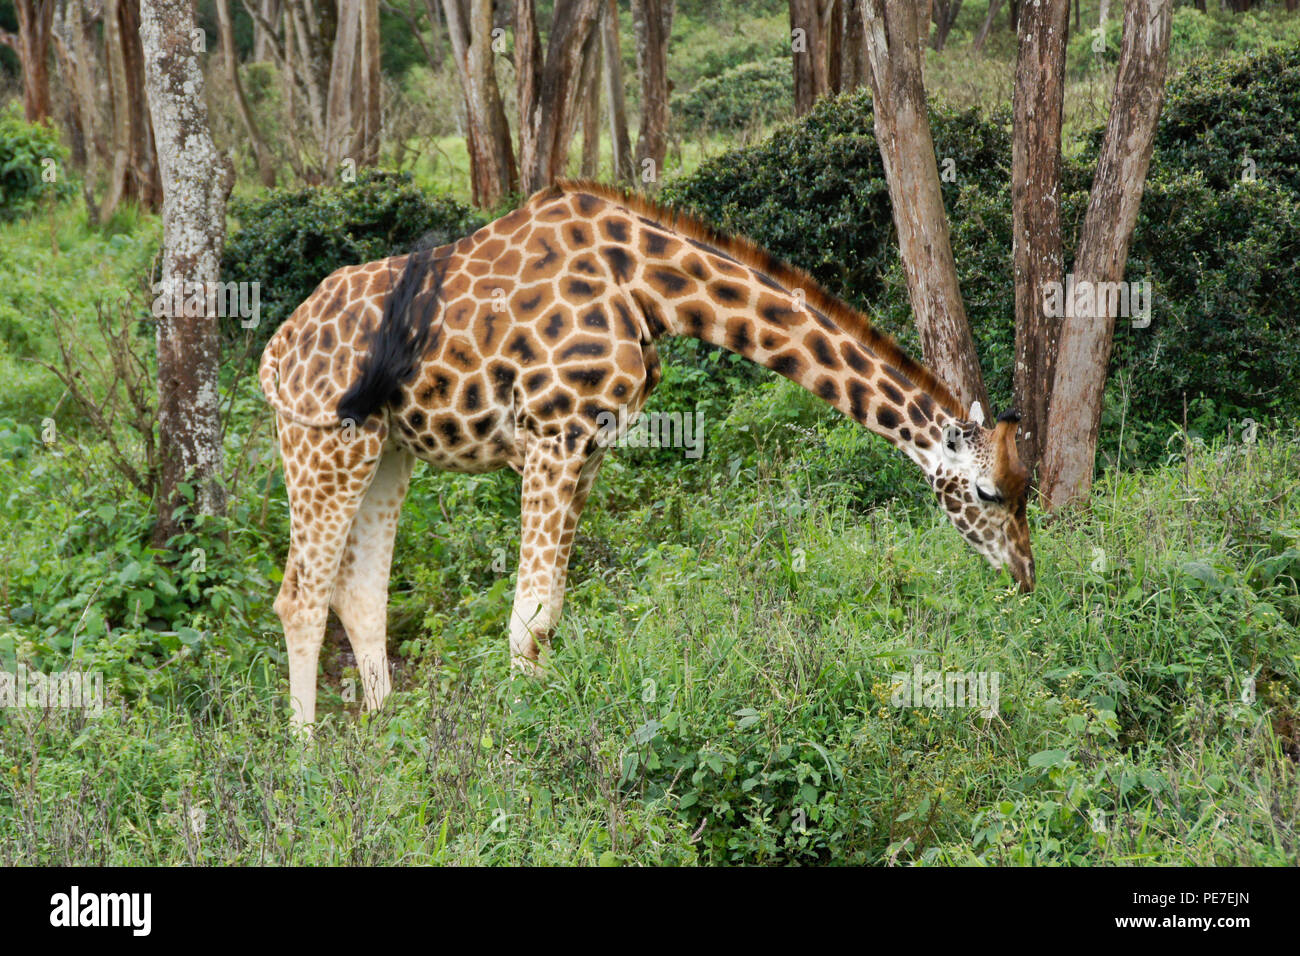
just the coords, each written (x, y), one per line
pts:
(984, 488)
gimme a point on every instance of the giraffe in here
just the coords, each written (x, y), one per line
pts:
(515, 347)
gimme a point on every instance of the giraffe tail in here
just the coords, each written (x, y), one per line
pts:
(268, 373)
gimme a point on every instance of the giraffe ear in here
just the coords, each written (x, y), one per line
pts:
(977, 413)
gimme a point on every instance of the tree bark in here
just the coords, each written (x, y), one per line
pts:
(620, 142)
(854, 69)
(340, 122)
(983, 33)
(808, 52)
(907, 150)
(262, 153)
(1037, 251)
(591, 105)
(35, 23)
(370, 87)
(654, 21)
(1084, 355)
(946, 11)
(548, 102)
(134, 174)
(196, 185)
(493, 173)
(269, 11)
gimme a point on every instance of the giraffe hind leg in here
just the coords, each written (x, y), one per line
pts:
(327, 477)
(360, 596)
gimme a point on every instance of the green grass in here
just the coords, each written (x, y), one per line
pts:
(721, 689)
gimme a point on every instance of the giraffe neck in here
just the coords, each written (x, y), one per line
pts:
(780, 318)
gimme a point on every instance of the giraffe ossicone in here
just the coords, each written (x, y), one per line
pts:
(515, 347)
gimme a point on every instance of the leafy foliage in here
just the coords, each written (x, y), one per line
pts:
(291, 239)
(26, 150)
(742, 97)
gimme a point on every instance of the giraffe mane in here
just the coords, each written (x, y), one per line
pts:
(749, 253)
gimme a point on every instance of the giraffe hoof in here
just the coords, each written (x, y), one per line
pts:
(525, 665)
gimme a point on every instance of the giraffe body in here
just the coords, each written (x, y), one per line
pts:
(514, 347)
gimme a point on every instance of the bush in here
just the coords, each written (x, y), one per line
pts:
(743, 96)
(815, 193)
(1192, 34)
(290, 240)
(1219, 113)
(24, 151)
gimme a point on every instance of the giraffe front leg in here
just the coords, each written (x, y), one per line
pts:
(555, 488)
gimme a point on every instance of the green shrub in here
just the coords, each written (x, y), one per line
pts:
(291, 239)
(1221, 113)
(743, 96)
(25, 152)
(1192, 34)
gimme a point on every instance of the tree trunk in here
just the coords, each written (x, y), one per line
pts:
(591, 106)
(983, 34)
(528, 76)
(269, 12)
(35, 21)
(493, 174)
(620, 142)
(907, 151)
(1037, 251)
(196, 184)
(549, 106)
(808, 43)
(947, 11)
(134, 174)
(1081, 363)
(68, 35)
(265, 162)
(654, 21)
(340, 121)
(370, 87)
(853, 55)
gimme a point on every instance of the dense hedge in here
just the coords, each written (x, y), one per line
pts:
(1192, 34)
(289, 240)
(1221, 253)
(24, 148)
(741, 97)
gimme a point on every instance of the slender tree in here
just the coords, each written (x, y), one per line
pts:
(902, 127)
(1088, 329)
(196, 184)
(1037, 252)
(262, 152)
(493, 173)
(133, 174)
(32, 44)
(620, 142)
(653, 20)
(549, 88)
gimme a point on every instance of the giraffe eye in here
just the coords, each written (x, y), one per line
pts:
(985, 496)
